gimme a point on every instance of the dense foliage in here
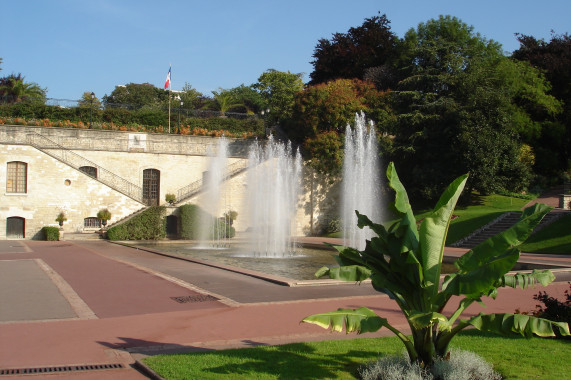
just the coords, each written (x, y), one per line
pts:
(191, 216)
(148, 225)
(554, 309)
(553, 145)
(50, 233)
(278, 90)
(362, 52)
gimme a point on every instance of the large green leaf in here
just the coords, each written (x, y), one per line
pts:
(406, 228)
(501, 242)
(361, 320)
(433, 231)
(525, 280)
(422, 320)
(510, 324)
(482, 279)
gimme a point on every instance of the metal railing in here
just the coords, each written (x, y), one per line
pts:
(197, 186)
(76, 161)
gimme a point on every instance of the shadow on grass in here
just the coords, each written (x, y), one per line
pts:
(292, 361)
(462, 228)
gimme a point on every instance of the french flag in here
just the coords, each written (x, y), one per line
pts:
(168, 81)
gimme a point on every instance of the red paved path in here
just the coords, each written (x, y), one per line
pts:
(135, 312)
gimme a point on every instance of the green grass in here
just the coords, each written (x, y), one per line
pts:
(514, 358)
(480, 211)
(553, 239)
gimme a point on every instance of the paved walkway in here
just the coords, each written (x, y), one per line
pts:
(95, 302)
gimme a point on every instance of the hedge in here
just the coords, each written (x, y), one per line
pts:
(148, 225)
(51, 233)
(190, 217)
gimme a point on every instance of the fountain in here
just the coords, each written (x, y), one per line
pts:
(361, 181)
(213, 201)
(274, 180)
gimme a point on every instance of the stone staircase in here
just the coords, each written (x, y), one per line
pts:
(76, 161)
(500, 224)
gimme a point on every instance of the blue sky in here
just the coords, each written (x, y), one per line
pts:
(72, 46)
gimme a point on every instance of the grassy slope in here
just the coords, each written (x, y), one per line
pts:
(536, 359)
(480, 211)
(553, 239)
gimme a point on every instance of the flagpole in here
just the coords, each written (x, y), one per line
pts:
(170, 86)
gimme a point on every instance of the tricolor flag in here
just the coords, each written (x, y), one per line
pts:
(168, 81)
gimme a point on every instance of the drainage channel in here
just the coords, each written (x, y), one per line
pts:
(59, 369)
(196, 298)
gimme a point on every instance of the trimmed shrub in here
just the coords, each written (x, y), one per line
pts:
(148, 225)
(51, 233)
(190, 217)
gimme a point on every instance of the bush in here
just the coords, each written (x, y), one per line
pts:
(553, 309)
(51, 233)
(462, 365)
(190, 217)
(148, 225)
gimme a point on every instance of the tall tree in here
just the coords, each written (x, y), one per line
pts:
(459, 98)
(362, 51)
(553, 145)
(278, 90)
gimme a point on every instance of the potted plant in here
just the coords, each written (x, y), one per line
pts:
(230, 216)
(170, 198)
(61, 218)
(104, 215)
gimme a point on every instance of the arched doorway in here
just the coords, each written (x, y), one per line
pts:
(151, 186)
(15, 227)
(172, 226)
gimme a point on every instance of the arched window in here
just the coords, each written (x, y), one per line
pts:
(17, 177)
(89, 170)
(91, 222)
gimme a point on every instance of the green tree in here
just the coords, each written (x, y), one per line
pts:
(462, 107)
(190, 97)
(14, 89)
(406, 263)
(223, 101)
(325, 152)
(278, 90)
(251, 100)
(552, 146)
(135, 95)
(87, 102)
(332, 106)
(363, 53)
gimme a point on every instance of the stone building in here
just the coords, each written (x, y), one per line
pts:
(45, 171)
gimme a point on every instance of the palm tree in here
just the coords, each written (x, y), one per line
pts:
(14, 89)
(223, 101)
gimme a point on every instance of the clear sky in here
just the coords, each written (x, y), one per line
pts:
(73, 46)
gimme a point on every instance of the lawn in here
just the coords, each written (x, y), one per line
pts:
(481, 210)
(553, 239)
(514, 358)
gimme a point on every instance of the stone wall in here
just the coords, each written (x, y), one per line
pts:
(54, 186)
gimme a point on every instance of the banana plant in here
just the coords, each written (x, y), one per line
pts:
(405, 262)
